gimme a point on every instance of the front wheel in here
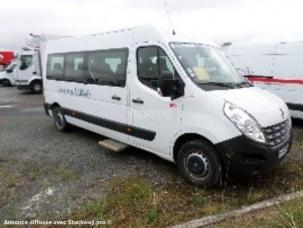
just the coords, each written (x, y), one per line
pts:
(59, 119)
(199, 163)
(36, 86)
(6, 83)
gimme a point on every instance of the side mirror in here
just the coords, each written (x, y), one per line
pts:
(172, 88)
(166, 75)
(23, 67)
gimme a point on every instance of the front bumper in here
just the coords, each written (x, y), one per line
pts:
(23, 87)
(242, 155)
(22, 84)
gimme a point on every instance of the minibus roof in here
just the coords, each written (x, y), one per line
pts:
(121, 39)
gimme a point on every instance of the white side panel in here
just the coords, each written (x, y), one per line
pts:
(288, 66)
(261, 65)
(97, 100)
(284, 64)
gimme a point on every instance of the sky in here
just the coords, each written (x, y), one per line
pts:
(220, 20)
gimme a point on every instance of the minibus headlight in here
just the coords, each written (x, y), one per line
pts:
(244, 122)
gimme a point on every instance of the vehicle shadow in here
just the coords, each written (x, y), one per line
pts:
(137, 153)
(297, 122)
(30, 93)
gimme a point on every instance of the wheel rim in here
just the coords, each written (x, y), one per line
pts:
(59, 120)
(37, 87)
(197, 165)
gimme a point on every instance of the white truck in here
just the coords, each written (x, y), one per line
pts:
(7, 77)
(28, 72)
(276, 67)
(173, 95)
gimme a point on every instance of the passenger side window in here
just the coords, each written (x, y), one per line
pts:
(25, 61)
(153, 64)
(74, 70)
(55, 67)
(108, 67)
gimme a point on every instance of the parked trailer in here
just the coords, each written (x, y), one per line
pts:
(276, 67)
(172, 95)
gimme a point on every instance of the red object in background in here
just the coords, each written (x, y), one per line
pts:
(6, 57)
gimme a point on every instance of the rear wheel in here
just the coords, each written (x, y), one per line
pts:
(36, 86)
(199, 163)
(59, 119)
(6, 83)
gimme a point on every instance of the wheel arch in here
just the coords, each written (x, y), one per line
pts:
(35, 80)
(186, 137)
(54, 105)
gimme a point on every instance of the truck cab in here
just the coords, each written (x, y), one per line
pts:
(7, 77)
(28, 72)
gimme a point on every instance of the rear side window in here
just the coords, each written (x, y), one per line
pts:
(55, 67)
(75, 67)
(108, 67)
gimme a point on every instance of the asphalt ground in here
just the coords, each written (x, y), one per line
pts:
(49, 173)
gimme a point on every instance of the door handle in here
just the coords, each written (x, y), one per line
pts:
(138, 101)
(117, 98)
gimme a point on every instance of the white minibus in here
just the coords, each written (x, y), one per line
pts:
(276, 67)
(28, 72)
(170, 94)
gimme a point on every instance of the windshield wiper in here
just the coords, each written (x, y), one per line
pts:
(231, 85)
(243, 84)
(220, 84)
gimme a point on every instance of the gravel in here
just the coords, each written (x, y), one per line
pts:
(55, 173)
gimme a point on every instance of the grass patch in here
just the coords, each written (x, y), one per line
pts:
(11, 178)
(130, 201)
(66, 174)
(137, 202)
(288, 215)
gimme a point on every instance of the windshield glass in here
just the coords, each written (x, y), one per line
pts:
(206, 65)
(11, 67)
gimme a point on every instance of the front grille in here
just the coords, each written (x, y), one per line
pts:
(277, 134)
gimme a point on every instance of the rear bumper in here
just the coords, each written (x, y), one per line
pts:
(242, 155)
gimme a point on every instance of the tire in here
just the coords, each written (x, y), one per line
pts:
(199, 163)
(6, 83)
(59, 120)
(36, 87)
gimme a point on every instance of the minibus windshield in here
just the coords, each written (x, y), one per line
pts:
(208, 65)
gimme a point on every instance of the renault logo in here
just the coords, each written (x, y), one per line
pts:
(282, 113)
(1, 57)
